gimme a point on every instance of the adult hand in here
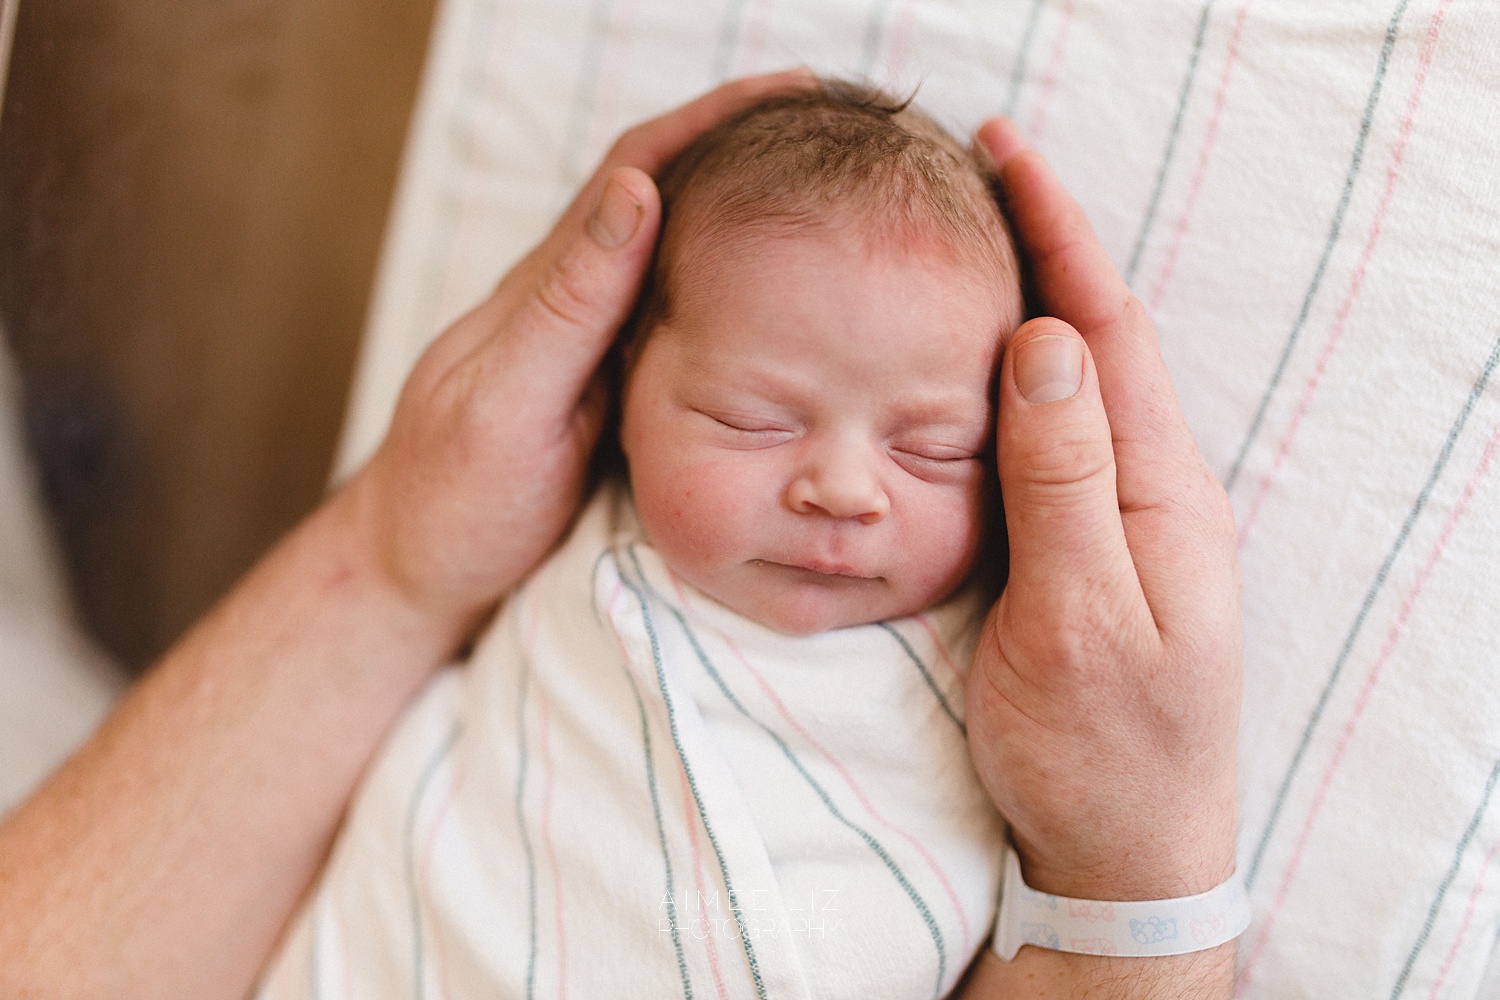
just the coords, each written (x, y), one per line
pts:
(484, 463)
(164, 859)
(1103, 702)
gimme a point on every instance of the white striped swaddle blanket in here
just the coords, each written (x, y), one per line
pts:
(1305, 197)
(631, 791)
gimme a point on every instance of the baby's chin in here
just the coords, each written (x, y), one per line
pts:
(798, 611)
(799, 622)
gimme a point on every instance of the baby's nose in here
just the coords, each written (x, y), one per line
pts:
(840, 481)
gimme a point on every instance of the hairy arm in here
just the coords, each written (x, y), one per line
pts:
(1036, 974)
(165, 858)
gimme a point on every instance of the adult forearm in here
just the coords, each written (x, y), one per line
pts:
(164, 859)
(1161, 871)
(1037, 973)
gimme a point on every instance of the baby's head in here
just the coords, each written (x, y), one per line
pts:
(809, 392)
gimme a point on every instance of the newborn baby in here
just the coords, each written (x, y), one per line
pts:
(714, 745)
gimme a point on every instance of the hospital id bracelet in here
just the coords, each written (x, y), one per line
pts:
(1135, 928)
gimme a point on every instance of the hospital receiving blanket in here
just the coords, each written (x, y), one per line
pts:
(631, 791)
(1305, 197)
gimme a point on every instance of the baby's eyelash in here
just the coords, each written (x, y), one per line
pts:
(744, 425)
(939, 454)
(737, 426)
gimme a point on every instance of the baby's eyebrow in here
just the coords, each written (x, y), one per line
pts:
(947, 411)
(739, 378)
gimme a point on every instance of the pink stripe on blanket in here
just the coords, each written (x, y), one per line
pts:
(450, 795)
(864, 800)
(757, 28)
(1205, 153)
(603, 119)
(1371, 681)
(343, 953)
(942, 650)
(690, 815)
(1357, 279)
(544, 738)
(1049, 77)
(491, 88)
(1463, 928)
(900, 45)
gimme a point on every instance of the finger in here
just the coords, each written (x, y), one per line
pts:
(999, 139)
(1074, 275)
(647, 147)
(1078, 283)
(1170, 503)
(1069, 559)
(651, 145)
(554, 340)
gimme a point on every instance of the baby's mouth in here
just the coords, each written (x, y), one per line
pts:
(817, 567)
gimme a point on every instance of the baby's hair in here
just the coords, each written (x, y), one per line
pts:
(840, 153)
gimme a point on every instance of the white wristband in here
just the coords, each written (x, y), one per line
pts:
(1136, 928)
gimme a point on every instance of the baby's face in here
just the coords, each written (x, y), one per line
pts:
(805, 432)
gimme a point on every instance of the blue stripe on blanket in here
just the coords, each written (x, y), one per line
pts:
(315, 968)
(890, 863)
(1364, 610)
(1437, 902)
(661, 836)
(428, 773)
(438, 259)
(1167, 156)
(521, 763)
(661, 680)
(570, 166)
(661, 833)
(874, 30)
(729, 39)
(1334, 229)
(1023, 56)
(926, 676)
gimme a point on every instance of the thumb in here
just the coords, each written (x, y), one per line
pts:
(1057, 477)
(566, 323)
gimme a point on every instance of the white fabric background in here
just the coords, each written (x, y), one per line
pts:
(1305, 196)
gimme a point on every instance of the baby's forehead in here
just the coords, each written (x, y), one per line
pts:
(709, 253)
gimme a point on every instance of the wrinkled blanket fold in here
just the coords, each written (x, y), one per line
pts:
(632, 791)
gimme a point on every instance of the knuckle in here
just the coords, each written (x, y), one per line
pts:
(1133, 311)
(1219, 516)
(459, 414)
(631, 146)
(1079, 634)
(1068, 460)
(1205, 505)
(563, 296)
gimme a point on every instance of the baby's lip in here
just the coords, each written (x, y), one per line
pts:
(822, 567)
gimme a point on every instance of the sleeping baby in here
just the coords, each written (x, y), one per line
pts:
(714, 746)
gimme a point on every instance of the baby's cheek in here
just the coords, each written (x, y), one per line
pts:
(946, 539)
(694, 512)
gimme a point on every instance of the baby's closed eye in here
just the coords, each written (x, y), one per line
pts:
(932, 451)
(939, 454)
(747, 424)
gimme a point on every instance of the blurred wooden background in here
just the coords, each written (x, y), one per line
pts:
(192, 197)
